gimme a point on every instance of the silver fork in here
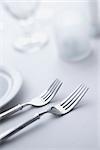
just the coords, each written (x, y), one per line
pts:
(60, 109)
(41, 100)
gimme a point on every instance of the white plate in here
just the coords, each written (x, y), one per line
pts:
(10, 84)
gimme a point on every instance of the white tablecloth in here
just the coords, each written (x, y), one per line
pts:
(76, 130)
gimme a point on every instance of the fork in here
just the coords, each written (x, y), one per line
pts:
(41, 100)
(60, 109)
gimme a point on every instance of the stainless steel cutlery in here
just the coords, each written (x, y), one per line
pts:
(41, 100)
(60, 109)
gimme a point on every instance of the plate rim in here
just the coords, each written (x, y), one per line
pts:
(16, 77)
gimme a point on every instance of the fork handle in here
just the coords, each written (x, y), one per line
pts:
(11, 111)
(13, 131)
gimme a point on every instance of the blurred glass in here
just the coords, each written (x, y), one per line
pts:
(94, 12)
(72, 34)
(23, 11)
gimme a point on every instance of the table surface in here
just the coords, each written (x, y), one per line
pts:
(76, 130)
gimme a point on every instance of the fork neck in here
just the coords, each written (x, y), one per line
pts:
(25, 104)
(45, 112)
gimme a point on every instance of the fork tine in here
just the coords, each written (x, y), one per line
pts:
(50, 89)
(54, 91)
(76, 101)
(53, 88)
(72, 94)
(76, 97)
(46, 92)
(53, 84)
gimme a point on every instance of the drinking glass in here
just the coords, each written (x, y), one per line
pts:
(23, 11)
(72, 35)
(94, 12)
